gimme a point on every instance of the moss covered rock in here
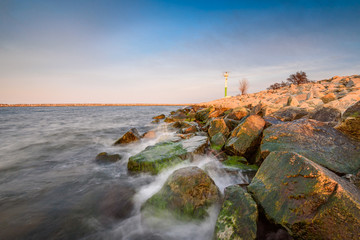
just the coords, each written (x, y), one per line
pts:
(245, 137)
(203, 114)
(308, 200)
(218, 125)
(186, 194)
(316, 141)
(166, 154)
(155, 158)
(240, 163)
(238, 215)
(350, 124)
(217, 141)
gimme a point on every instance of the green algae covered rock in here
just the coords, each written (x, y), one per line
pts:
(186, 195)
(166, 154)
(307, 199)
(350, 124)
(316, 141)
(238, 215)
(245, 137)
(218, 141)
(240, 163)
(155, 158)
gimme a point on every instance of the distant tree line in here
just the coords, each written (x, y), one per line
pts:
(296, 79)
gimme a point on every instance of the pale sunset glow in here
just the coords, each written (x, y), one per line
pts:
(160, 51)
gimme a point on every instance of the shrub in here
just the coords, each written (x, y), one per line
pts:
(298, 78)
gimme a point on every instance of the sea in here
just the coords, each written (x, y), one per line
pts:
(51, 187)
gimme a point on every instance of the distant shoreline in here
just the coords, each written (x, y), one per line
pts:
(90, 105)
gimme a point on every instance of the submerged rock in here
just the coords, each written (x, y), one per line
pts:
(161, 116)
(316, 141)
(245, 137)
(238, 215)
(129, 137)
(307, 199)
(350, 124)
(186, 194)
(104, 157)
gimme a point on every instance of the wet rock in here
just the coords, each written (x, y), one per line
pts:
(245, 137)
(161, 116)
(218, 125)
(218, 113)
(186, 194)
(149, 135)
(104, 158)
(350, 123)
(166, 154)
(269, 121)
(177, 116)
(327, 114)
(309, 200)
(156, 121)
(238, 215)
(129, 137)
(180, 124)
(157, 157)
(314, 140)
(117, 201)
(240, 163)
(290, 113)
(328, 97)
(191, 129)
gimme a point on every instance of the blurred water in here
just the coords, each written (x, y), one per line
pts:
(51, 187)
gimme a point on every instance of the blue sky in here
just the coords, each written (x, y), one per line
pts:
(168, 51)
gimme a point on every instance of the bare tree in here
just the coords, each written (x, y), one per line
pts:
(243, 86)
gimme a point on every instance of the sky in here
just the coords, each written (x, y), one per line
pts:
(175, 51)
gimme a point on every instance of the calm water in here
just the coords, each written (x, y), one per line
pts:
(51, 187)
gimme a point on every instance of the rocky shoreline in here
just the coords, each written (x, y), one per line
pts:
(299, 147)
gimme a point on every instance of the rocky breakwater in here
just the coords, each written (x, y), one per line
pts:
(299, 146)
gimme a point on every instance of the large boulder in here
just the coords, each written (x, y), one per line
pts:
(315, 140)
(218, 141)
(186, 194)
(350, 124)
(218, 125)
(203, 114)
(245, 137)
(328, 97)
(238, 215)
(166, 154)
(129, 137)
(237, 113)
(327, 114)
(155, 158)
(290, 113)
(308, 200)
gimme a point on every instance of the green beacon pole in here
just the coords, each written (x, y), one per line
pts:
(226, 77)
